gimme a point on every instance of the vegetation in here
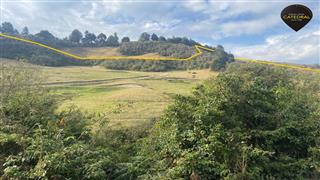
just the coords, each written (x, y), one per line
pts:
(177, 47)
(216, 61)
(129, 98)
(35, 55)
(37, 143)
(249, 122)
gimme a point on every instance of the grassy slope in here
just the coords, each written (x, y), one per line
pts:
(97, 51)
(128, 97)
(101, 52)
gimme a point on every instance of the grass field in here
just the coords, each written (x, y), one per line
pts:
(101, 52)
(97, 51)
(129, 98)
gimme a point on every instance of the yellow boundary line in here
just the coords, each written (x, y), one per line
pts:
(197, 47)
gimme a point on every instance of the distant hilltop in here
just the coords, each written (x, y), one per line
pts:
(88, 44)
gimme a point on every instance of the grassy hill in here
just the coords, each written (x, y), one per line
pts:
(216, 60)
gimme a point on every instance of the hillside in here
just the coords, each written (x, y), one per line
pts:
(93, 51)
(36, 55)
(91, 45)
(102, 52)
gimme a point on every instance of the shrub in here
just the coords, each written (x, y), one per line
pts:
(251, 122)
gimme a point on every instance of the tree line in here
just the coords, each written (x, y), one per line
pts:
(215, 61)
(89, 39)
(176, 47)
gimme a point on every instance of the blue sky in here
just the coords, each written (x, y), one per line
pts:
(251, 29)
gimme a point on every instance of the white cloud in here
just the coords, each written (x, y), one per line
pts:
(301, 47)
(225, 16)
(249, 27)
(205, 21)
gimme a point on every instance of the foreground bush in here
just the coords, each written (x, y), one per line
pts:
(36, 142)
(251, 122)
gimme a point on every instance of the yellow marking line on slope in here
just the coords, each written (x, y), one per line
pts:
(197, 47)
(278, 64)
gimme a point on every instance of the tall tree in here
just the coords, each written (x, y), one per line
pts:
(144, 37)
(116, 37)
(125, 39)
(101, 39)
(154, 37)
(220, 47)
(161, 38)
(7, 28)
(89, 38)
(113, 40)
(25, 31)
(75, 36)
(45, 35)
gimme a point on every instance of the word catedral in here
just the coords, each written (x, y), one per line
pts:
(297, 17)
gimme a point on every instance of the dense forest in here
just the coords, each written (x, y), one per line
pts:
(249, 122)
(178, 47)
